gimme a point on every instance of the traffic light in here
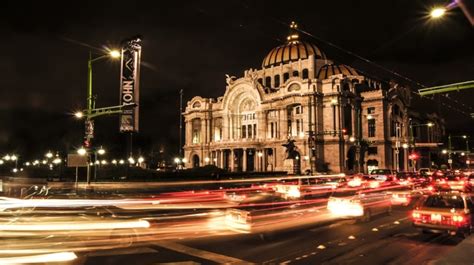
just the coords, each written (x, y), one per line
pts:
(413, 156)
(344, 131)
(87, 143)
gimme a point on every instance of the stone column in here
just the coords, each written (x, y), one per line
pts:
(264, 160)
(244, 160)
(232, 160)
(262, 125)
(188, 133)
(283, 120)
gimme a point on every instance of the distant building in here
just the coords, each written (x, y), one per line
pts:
(338, 119)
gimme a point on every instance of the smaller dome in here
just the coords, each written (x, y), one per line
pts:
(332, 69)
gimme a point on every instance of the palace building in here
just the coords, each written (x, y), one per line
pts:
(338, 119)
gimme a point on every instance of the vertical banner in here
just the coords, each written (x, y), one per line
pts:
(129, 84)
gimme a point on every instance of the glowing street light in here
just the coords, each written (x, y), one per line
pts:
(131, 160)
(141, 160)
(444, 151)
(82, 151)
(57, 161)
(184, 160)
(79, 114)
(405, 146)
(7, 157)
(114, 162)
(104, 162)
(207, 159)
(430, 124)
(437, 12)
(121, 162)
(49, 155)
(177, 160)
(13, 157)
(114, 54)
(1, 162)
(101, 151)
(352, 139)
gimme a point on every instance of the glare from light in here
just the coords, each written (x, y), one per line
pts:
(444, 151)
(15, 170)
(352, 139)
(259, 154)
(438, 12)
(49, 155)
(27, 164)
(44, 162)
(141, 160)
(334, 101)
(114, 54)
(42, 258)
(369, 117)
(464, 136)
(7, 157)
(405, 146)
(121, 162)
(430, 124)
(177, 160)
(57, 161)
(463, 154)
(97, 162)
(101, 151)
(13, 157)
(81, 151)
(207, 159)
(79, 114)
(131, 160)
(114, 162)
(1, 162)
(104, 162)
(184, 160)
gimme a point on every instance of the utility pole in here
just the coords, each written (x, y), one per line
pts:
(450, 160)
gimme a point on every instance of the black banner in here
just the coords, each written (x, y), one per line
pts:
(129, 84)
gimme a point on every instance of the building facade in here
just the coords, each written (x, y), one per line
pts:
(338, 119)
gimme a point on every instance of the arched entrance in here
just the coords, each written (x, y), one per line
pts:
(372, 164)
(195, 161)
(351, 158)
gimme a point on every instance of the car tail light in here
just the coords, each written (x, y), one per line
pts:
(430, 188)
(416, 215)
(458, 218)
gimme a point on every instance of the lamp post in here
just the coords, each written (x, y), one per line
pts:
(412, 142)
(89, 125)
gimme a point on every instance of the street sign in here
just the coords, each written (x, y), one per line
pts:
(76, 160)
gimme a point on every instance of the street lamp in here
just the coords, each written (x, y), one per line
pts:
(352, 139)
(101, 151)
(141, 160)
(79, 114)
(437, 12)
(81, 151)
(90, 103)
(444, 151)
(49, 154)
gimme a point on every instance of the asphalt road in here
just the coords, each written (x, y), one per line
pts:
(386, 239)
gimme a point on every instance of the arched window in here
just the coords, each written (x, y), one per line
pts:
(305, 73)
(296, 73)
(277, 81)
(268, 81)
(286, 76)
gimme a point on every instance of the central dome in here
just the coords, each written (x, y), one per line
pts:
(292, 51)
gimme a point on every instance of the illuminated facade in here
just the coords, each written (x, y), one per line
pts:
(339, 119)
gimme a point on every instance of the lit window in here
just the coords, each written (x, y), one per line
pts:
(371, 127)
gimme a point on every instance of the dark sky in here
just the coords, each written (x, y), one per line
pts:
(191, 45)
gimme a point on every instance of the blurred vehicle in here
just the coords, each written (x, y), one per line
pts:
(247, 196)
(311, 187)
(364, 181)
(425, 172)
(470, 178)
(405, 196)
(269, 214)
(383, 174)
(360, 205)
(411, 179)
(444, 212)
(453, 181)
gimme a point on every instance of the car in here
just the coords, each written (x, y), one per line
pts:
(405, 196)
(425, 172)
(269, 215)
(383, 174)
(361, 205)
(452, 181)
(450, 212)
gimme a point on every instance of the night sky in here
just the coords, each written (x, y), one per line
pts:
(191, 45)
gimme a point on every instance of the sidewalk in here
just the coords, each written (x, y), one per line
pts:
(462, 254)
